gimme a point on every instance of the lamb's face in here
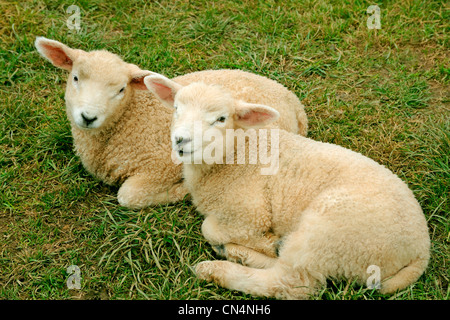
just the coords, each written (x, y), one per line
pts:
(99, 82)
(96, 89)
(202, 115)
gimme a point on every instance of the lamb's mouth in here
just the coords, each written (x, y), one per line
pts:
(184, 153)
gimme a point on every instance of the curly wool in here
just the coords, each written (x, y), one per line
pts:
(130, 145)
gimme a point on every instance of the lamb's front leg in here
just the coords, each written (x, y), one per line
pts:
(225, 245)
(140, 191)
(214, 233)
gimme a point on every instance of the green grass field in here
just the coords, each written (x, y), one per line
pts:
(383, 93)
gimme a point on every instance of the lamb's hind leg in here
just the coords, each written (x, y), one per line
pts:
(139, 192)
(279, 281)
(245, 256)
(240, 247)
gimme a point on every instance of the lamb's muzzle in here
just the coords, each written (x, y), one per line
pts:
(88, 120)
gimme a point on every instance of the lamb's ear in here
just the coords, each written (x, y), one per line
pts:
(249, 115)
(57, 53)
(137, 76)
(163, 88)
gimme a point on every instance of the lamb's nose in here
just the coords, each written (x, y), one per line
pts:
(88, 120)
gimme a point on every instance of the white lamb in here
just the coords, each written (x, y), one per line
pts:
(122, 133)
(329, 212)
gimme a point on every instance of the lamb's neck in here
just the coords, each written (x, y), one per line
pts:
(193, 173)
(91, 137)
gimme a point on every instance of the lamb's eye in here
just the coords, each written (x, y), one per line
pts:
(221, 119)
(122, 90)
(75, 78)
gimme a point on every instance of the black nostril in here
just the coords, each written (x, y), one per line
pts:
(87, 119)
(181, 140)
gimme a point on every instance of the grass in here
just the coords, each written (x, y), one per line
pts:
(383, 93)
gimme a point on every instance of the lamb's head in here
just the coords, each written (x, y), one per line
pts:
(99, 83)
(204, 112)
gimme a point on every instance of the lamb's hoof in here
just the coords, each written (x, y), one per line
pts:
(220, 250)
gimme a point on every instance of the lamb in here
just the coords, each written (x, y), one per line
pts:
(328, 212)
(110, 110)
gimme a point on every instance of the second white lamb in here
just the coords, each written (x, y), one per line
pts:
(327, 212)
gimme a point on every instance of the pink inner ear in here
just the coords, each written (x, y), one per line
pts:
(164, 92)
(58, 57)
(255, 117)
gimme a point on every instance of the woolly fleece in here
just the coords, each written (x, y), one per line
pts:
(132, 148)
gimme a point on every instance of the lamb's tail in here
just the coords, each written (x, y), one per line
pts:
(405, 276)
(302, 120)
(277, 281)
